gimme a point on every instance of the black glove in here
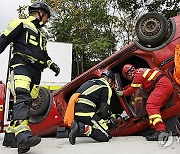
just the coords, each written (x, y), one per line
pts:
(112, 123)
(55, 68)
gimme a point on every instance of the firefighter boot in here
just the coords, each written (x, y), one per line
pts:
(10, 140)
(24, 136)
(74, 132)
(27, 143)
(148, 132)
(9, 137)
(155, 136)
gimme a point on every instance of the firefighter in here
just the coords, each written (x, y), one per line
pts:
(159, 86)
(29, 59)
(92, 109)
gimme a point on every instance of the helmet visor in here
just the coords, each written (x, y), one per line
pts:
(52, 12)
(130, 71)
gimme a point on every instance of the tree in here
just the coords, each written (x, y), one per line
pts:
(86, 24)
(168, 8)
(125, 14)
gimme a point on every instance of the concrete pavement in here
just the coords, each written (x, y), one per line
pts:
(85, 145)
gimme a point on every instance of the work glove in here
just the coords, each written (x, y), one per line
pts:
(119, 93)
(112, 123)
(55, 68)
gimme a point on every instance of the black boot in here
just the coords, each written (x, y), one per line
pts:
(73, 133)
(148, 132)
(27, 143)
(10, 140)
(81, 129)
(155, 136)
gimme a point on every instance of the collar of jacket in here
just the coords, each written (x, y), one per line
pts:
(105, 81)
(31, 18)
(36, 21)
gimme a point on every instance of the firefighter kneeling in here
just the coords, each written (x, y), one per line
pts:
(90, 107)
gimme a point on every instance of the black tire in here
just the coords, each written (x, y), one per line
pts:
(41, 103)
(151, 29)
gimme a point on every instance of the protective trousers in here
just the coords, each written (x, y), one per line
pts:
(97, 127)
(24, 86)
(159, 96)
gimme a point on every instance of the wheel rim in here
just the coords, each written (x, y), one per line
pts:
(37, 103)
(151, 26)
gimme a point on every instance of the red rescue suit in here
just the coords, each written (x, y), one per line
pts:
(161, 88)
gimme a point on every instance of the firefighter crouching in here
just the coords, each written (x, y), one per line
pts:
(160, 87)
(30, 58)
(88, 110)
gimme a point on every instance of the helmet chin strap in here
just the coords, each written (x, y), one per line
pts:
(40, 18)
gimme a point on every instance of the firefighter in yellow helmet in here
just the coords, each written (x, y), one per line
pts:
(29, 59)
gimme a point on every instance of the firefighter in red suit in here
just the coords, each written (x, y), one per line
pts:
(160, 87)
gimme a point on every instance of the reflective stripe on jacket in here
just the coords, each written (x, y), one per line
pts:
(27, 40)
(144, 78)
(96, 95)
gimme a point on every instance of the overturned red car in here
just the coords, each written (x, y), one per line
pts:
(154, 48)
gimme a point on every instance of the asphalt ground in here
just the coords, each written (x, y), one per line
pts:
(86, 145)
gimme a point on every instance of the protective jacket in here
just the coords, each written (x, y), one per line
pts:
(96, 95)
(29, 44)
(144, 78)
(161, 89)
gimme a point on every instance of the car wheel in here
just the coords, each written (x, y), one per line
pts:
(151, 29)
(41, 103)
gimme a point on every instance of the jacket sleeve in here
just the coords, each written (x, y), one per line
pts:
(135, 85)
(104, 110)
(13, 31)
(46, 55)
(129, 91)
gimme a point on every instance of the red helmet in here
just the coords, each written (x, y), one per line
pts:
(126, 68)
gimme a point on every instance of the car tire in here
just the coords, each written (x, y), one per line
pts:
(151, 29)
(41, 103)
